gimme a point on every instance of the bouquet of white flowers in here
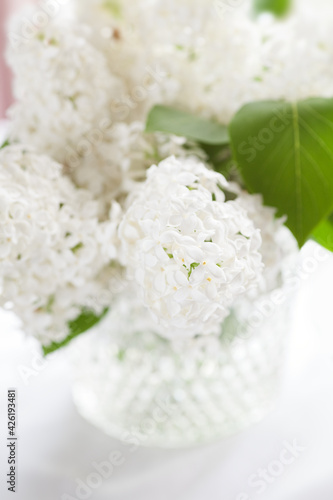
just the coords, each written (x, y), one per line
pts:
(174, 153)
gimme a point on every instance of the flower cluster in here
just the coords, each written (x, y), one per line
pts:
(52, 248)
(279, 247)
(191, 251)
(121, 159)
(65, 98)
(212, 44)
(99, 197)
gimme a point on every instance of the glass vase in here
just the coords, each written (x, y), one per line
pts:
(142, 388)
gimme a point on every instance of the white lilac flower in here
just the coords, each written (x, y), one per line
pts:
(279, 247)
(63, 88)
(214, 57)
(191, 251)
(54, 254)
(114, 166)
(207, 59)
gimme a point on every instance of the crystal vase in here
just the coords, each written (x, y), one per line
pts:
(144, 389)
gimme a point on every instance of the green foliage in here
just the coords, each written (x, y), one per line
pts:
(220, 157)
(113, 7)
(323, 234)
(172, 121)
(5, 144)
(86, 320)
(277, 7)
(285, 151)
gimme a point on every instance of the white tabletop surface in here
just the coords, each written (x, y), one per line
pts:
(56, 447)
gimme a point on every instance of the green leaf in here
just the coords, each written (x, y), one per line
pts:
(113, 7)
(86, 320)
(277, 7)
(172, 121)
(219, 157)
(285, 151)
(5, 144)
(323, 234)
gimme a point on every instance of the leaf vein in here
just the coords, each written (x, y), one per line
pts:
(316, 137)
(298, 172)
